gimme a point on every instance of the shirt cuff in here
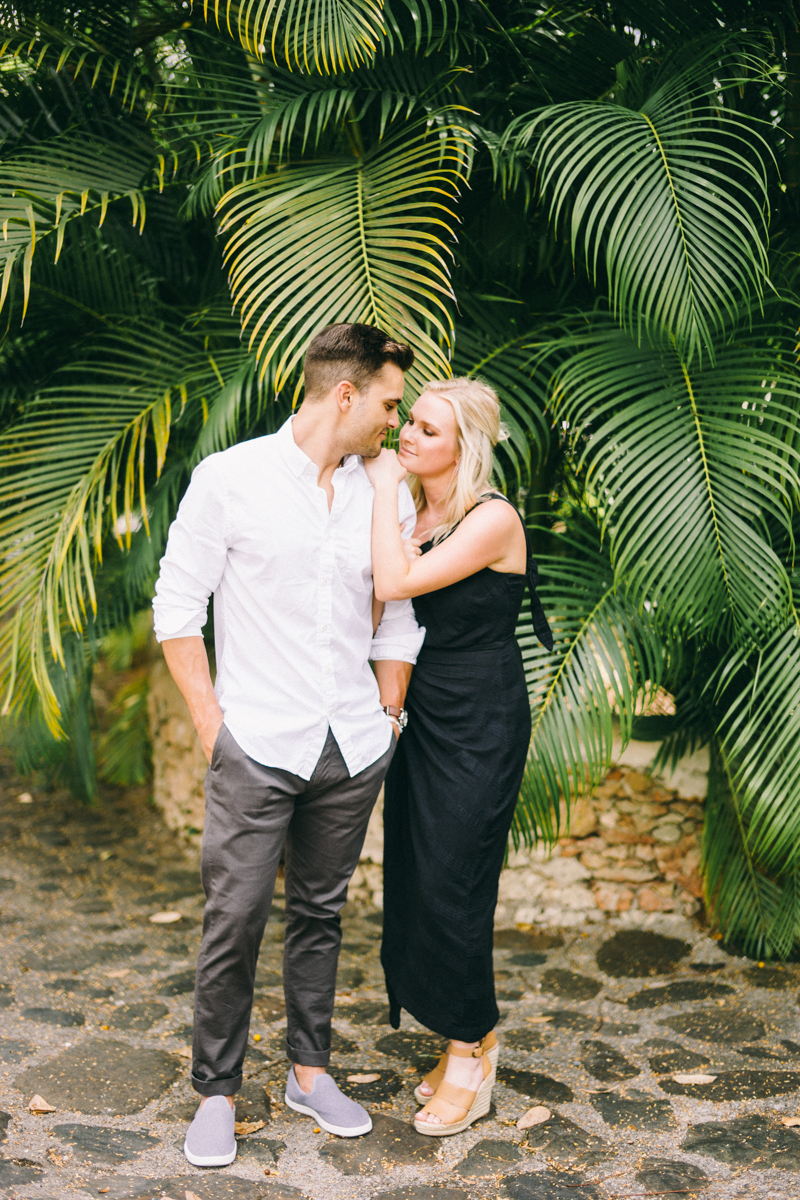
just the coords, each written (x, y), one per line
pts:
(193, 629)
(402, 647)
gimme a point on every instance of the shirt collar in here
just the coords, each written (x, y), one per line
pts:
(298, 461)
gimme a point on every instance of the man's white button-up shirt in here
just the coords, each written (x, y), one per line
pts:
(292, 586)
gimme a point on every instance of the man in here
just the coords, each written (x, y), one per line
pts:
(278, 529)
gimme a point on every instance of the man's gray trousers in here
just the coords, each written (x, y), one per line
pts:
(251, 811)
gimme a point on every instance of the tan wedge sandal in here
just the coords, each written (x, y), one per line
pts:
(448, 1097)
(435, 1077)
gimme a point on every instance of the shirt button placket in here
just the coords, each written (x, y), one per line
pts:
(325, 611)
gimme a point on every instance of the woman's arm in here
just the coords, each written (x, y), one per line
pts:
(491, 536)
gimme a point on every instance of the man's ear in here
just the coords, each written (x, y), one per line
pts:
(345, 395)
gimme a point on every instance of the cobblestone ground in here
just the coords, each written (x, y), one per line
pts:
(599, 1028)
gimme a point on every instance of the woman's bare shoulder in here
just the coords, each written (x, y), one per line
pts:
(493, 509)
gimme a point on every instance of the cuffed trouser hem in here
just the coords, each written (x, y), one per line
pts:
(308, 1058)
(217, 1087)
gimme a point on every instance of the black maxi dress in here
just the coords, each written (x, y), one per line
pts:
(449, 801)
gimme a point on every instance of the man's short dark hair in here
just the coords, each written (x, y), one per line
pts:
(352, 352)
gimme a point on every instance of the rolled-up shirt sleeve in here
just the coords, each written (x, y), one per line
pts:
(194, 560)
(398, 636)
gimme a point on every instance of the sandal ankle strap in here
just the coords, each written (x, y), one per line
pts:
(472, 1052)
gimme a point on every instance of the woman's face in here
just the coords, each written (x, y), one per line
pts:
(429, 438)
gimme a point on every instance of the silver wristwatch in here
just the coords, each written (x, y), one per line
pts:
(397, 714)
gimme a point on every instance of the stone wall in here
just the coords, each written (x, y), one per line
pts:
(179, 765)
(638, 853)
(633, 846)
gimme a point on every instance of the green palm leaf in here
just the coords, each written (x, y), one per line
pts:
(348, 239)
(41, 191)
(485, 349)
(606, 657)
(686, 466)
(95, 43)
(757, 909)
(669, 195)
(111, 427)
(271, 114)
(760, 739)
(327, 37)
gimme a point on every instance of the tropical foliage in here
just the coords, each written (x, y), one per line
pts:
(574, 203)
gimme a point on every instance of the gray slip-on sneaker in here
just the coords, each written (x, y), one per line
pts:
(210, 1139)
(329, 1107)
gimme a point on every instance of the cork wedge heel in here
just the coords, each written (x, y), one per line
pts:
(435, 1077)
(450, 1099)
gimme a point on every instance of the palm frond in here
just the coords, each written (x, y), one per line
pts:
(284, 117)
(670, 196)
(348, 239)
(41, 191)
(607, 656)
(95, 276)
(335, 36)
(106, 53)
(112, 427)
(487, 349)
(760, 739)
(757, 910)
(686, 466)
(244, 400)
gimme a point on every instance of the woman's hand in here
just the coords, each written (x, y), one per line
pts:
(411, 549)
(386, 468)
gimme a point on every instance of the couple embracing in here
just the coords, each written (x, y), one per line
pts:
(322, 558)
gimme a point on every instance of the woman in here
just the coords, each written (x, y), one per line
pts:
(453, 785)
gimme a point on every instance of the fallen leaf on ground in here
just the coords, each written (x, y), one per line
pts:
(59, 1159)
(165, 918)
(538, 1020)
(694, 1078)
(117, 974)
(39, 1105)
(363, 1078)
(25, 798)
(790, 1122)
(534, 1116)
(191, 1196)
(184, 1052)
(245, 1127)
(102, 1191)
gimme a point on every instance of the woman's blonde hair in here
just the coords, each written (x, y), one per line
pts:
(478, 430)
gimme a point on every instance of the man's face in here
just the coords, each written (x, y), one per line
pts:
(374, 412)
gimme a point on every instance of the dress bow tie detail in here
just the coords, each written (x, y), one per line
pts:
(540, 625)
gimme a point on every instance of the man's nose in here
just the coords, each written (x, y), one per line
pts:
(394, 420)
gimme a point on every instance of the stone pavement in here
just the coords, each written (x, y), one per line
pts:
(600, 1026)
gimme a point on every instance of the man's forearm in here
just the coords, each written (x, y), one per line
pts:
(187, 661)
(393, 678)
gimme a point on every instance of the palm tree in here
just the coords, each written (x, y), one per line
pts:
(572, 204)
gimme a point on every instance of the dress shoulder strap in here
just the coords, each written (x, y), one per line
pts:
(540, 625)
